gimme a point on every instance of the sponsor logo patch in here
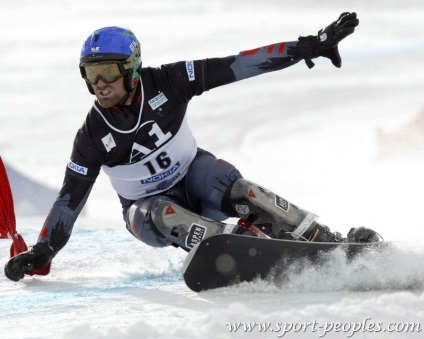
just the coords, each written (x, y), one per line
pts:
(163, 185)
(282, 203)
(195, 235)
(133, 46)
(190, 70)
(242, 209)
(157, 101)
(109, 142)
(163, 175)
(77, 168)
(169, 210)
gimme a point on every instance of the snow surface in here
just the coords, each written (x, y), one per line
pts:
(322, 138)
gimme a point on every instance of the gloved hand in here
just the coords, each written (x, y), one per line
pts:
(28, 262)
(325, 44)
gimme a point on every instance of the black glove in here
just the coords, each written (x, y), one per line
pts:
(325, 44)
(28, 262)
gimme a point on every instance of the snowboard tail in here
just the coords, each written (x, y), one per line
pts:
(226, 259)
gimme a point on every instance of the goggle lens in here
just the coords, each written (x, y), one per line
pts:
(109, 72)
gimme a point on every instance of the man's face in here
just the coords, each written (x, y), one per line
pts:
(109, 94)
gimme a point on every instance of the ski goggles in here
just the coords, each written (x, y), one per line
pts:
(107, 71)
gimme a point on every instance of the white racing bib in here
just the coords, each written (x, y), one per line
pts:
(160, 169)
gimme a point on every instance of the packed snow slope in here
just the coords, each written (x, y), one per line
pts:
(346, 144)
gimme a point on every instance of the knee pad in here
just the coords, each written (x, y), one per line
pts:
(262, 207)
(183, 227)
(140, 225)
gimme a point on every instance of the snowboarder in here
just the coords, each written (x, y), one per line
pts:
(171, 191)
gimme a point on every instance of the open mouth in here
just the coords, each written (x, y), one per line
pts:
(104, 93)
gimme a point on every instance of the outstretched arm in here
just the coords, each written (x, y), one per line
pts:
(190, 78)
(284, 54)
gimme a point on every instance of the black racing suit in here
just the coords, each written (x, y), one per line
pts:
(147, 147)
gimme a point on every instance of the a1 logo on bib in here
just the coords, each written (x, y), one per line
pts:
(195, 235)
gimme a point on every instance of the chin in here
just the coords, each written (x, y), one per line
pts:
(106, 103)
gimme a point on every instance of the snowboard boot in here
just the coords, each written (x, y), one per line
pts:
(273, 215)
(362, 234)
(183, 227)
(322, 233)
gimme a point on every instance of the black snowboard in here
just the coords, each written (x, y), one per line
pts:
(226, 259)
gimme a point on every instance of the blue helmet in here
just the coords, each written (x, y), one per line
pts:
(113, 44)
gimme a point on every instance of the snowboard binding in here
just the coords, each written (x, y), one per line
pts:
(363, 234)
